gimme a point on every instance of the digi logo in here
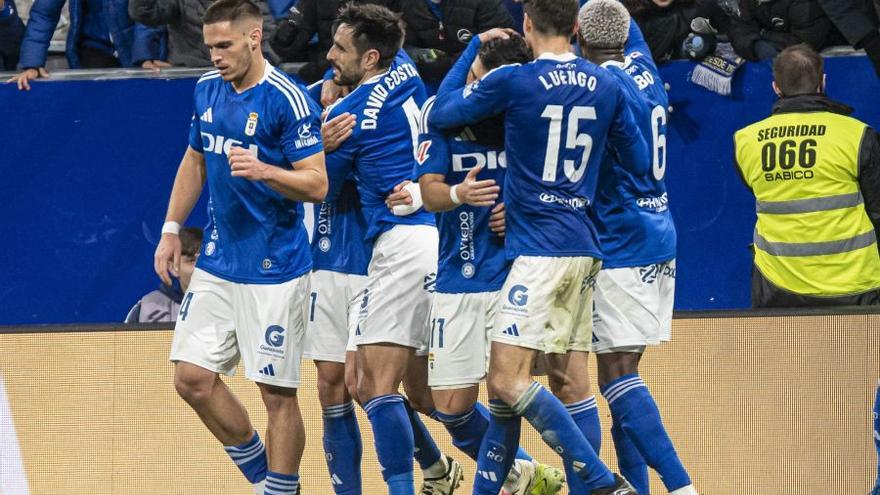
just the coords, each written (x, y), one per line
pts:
(490, 160)
(221, 144)
(518, 295)
(275, 335)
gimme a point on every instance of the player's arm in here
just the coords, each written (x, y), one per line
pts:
(456, 78)
(477, 101)
(306, 181)
(635, 42)
(188, 184)
(624, 137)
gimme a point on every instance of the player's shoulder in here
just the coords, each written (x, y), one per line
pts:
(209, 78)
(286, 93)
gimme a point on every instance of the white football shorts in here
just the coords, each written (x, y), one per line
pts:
(221, 322)
(546, 304)
(396, 301)
(333, 309)
(633, 307)
(458, 354)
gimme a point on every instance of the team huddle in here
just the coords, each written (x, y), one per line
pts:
(509, 225)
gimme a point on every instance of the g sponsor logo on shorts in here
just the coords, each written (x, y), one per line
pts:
(274, 338)
(518, 295)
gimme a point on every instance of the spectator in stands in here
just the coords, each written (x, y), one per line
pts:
(815, 173)
(305, 35)
(183, 19)
(667, 23)
(162, 304)
(766, 27)
(101, 35)
(857, 21)
(11, 32)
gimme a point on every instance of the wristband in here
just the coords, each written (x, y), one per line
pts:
(416, 193)
(453, 196)
(171, 228)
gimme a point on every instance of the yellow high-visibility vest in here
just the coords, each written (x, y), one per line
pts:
(813, 236)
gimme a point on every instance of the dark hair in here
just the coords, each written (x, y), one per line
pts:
(798, 70)
(500, 52)
(374, 28)
(190, 241)
(231, 10)
(552, 17)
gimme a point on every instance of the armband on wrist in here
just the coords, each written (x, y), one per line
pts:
(453, 196)
(171, 228)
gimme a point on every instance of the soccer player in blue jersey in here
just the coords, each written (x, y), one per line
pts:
(560, 114)
(255, 140)
(636, 287)
(391, 333)
(458, 174)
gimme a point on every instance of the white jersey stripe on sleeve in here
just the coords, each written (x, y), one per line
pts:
(294, 92)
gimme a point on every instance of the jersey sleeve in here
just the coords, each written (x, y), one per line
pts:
(432, 155)
(300, 125)
(626, 140)
(637, 46)
(484, 98)
(195, 128)
(457, 76)
(339, 163)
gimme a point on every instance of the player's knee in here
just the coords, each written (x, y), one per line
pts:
(278, 400)
(194, 388)
(332, 390)
(614, 365)
(504, 387)
(421, 403)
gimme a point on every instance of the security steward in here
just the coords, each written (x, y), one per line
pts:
(815, 173)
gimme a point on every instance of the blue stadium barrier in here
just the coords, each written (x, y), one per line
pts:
(87, 167)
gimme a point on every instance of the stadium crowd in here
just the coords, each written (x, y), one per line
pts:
(153, 34)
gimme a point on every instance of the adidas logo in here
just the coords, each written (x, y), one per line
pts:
(511, 330)
(208, 116)
(269, 370)
(335, 480)
(489, 475)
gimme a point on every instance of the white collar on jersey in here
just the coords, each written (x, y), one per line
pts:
(617, 63)
(376, 78)
(559, 57)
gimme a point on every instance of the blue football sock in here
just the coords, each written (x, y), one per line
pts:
(281, 484)
(586, 416)
(558, 430)
(343, 448)
(466, 429)
(250, 457)
(394, 440)
(501, 438)
(426, 451)
(630, 462)
(635, 410)
(877, 431)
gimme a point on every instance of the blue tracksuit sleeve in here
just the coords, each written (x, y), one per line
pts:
(484, 98)
(149, 44)
(625, 139)
(457, 75)
(41, 25)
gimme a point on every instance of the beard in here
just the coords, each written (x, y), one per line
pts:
(342, 78)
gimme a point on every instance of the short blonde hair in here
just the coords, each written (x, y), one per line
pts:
(604, 24)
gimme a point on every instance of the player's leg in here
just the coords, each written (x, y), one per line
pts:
(204, 346)
(634, 309)
(529, 298)
(271, 321)
(566, 374)
(380, 370)
(326, 344)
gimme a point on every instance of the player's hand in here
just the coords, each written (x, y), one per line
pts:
(336, 130)
(497, 33)
(399, 196)
(166, 260)
(23, 79)
(245, 165)
(330, 92)
(496, 220)
(477, 192)
(155, 65)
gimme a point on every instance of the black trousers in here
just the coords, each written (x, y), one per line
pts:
(93, 58)
(767, 295)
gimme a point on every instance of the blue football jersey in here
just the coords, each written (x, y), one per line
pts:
(339, 243)
(471, 257)
(631, 211)
(560, 113)
(381, 148)
(254, 234)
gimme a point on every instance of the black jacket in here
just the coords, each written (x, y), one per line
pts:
(857, 21)
(186, 45)
(449, 36)
(869, 150)
(310, 17)
(781, 23)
